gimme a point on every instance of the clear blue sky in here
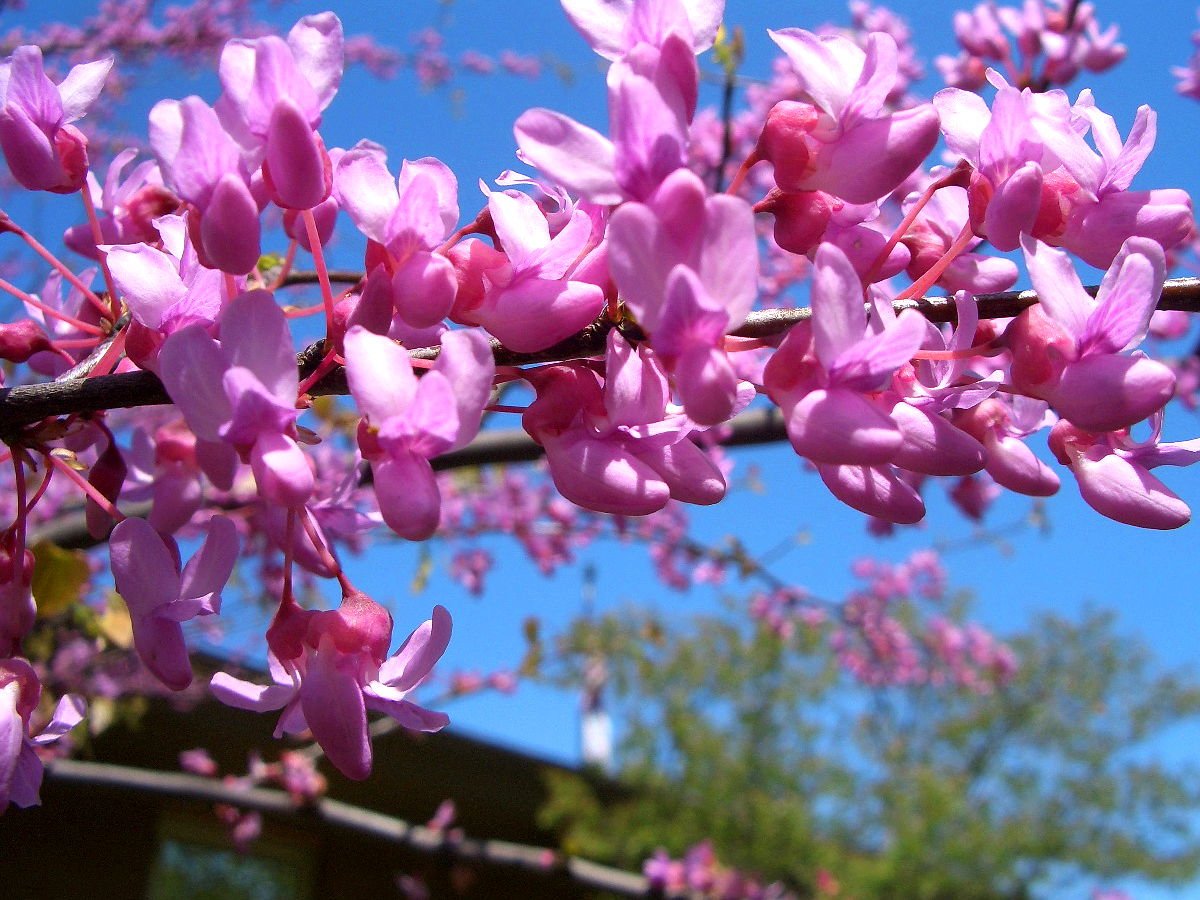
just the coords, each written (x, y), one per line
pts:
(1148, 577)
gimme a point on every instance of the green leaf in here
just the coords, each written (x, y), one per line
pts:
(59, 578)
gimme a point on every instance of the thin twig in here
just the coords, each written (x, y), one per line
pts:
(24, 405)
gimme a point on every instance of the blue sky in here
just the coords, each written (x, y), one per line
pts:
(1083, 559)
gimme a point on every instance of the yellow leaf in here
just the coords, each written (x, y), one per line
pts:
(424, 570)
(115, 624)
(59, 577)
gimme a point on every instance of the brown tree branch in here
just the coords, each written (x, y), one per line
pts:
(184, 786)
(68, 529)
(24, 405)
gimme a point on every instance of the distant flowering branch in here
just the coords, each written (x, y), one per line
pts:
(367, 822)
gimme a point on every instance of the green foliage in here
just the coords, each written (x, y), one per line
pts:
(763, 746)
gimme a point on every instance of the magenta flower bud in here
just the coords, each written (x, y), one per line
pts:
(801, 219)
(784, 142)
(20, 340)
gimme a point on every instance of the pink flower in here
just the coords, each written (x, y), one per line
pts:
(329, 670)
(274, 93)
(203, 165)
(20, 768)
(408, 421)
(842, 140)
(614, 27)
(534, 296)
(44, 151)
(1113, 473)
(242, 391)
(1068, 349)
(408, 218)
(160, 598)
(127, 206)
(612, 445)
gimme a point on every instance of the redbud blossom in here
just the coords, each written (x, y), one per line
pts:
(44, 151)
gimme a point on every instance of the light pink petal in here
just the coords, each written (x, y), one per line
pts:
(255, 335)
(160, 644)
(209, 569)
(281, 470)
(419, 653)
(874, 157)
(875, 82)
(605, 24)
(557, 257)
(12, 739)
(177, 496)
(604, 477)
(1013, 208)
(520, 225)
(317, 43)
(877, 356)
(688, 471)
(295, 159)
(445, 187)
(1126, 492)
(1058, 286)
(1107, 393)
(27, 779)
(1096, 234)
(535, 313)
(417, 220)
(148, 280)
(875, 490)
(932, 446)
(842, 426)
(82, 86)
(827, 67)
(247, 695)
(579, 158)
(380, 375)
(963, 116)
(143, 568)
(1134, 152)
(424, 289)
(408, 495)
(409, 715)
(431, 423)
(707, 385)
(838, 315)
(229, 227)
(635, 386)
(68, 713)
(1126, 300)
(1012, 465)
(636, 260)
(467, 362)
(332, 701)
(729, 255)
(366, 190)
(30, 89)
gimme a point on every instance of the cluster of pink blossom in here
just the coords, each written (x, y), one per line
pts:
(1189, 75)
(1042, 43)
(876, 643)
(619, 239)
(700, 875)
(879, 638)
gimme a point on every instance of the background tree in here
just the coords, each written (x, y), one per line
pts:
(999, 785)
